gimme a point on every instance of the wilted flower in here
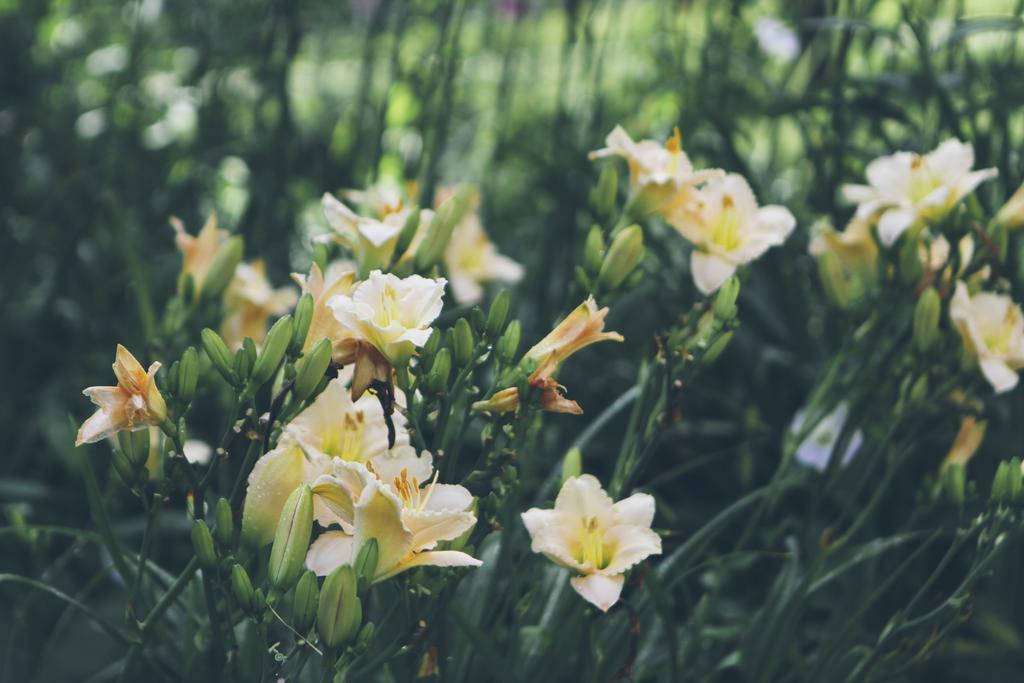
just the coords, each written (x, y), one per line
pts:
(905, 187)
(406, 519)
(992, 328)
(392, 314)
(135, 403)
(816, 449)
(660, 176)
(471, 259)
(199, 251)
(728, 229)
(323, 287)
(968, 440)
(595, 537)
(250, 301)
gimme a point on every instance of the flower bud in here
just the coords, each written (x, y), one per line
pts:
(999, 238)
(593, 250)
(412, 224)
(340, 612)
(366, 563)
(321, 256)
(241, 586)
(625, 253)
(292, 539)
(439, 231)
(170, 383)
(425, 359)
(462, 343)
(220, 356)
(1014, 480)
(717, 347)
(954, 480)
(910, 267)
(202, 543)
(603, 195)
(725, 299)
(477, 320)
(508, 345)
(498, 314)
(270, 357)
(242, 364)
(124, 467)
(229, 255)
(926, 319)
(310, 369)
(188, 375)
(1011, 215)
(302, 317)
(304, 603)
(833, 280)
(225, 530)
(437, 378)
(572, 464)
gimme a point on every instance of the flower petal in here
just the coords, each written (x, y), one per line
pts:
(328, 552)
(599, 590)
(709, 271)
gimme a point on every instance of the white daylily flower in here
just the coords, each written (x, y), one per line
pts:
(406, 520)
(776, 39)
(816, 450)
(471, 259)
(595, 537)
(904, 187)
(371, 241)
(728, 229)
(322, 287)
(391, 313)
(992, 327)
(250, 300)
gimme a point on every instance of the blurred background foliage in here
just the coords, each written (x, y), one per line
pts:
(116, 115)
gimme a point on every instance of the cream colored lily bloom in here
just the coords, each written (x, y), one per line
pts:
(471, 260)
(372, 241)
(391, 313)
(199, 251)
(406, 519)
(322, 287)
(660, 176)
(595, 537)
(904, 188)
(854, 246)
(992, 327)
(728, 229)
(250, 301)
(134, 404)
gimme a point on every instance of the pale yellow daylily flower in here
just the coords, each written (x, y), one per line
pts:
(372, 241)
(199, 251)
(968, 440)
(249, 301)
(322, 287)
(660, 176)
(904, 188)
(392, 314)
(471, 259)
(728, 229)
(406, 519)
(992, 327)
(134, 404)
(1011, 215)
(594, 537)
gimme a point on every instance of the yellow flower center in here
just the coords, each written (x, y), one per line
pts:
(409, 491)
(347, 441)
(725, 231)
(388, 310)
(591, 549)
(922, 181)
(998, 339)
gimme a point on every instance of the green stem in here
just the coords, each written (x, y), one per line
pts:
(168, 598)
(99, 513)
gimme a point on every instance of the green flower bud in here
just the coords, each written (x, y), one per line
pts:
(439, 232)
(625, 253)
(462, 343)
(202, 543)
(241, 586)
(225, 518)
(1000, 238)
(426, 355)
(954, 481)
(926, 319)
(412, 224)
(833, 280)
(572, 464)
(437, 378)
(1014, 480)
(304, 604)
(725, 299)
(910, 259)
(310, 369)
(1011, 215)
(321, 256)
(303, 317)
(340, 611)
(292, 539)
(242, 364)
(1000, 483)
(508, 345)
(497, 314)
(270, 357)
(593, 250)
(919, 390)
(717, 347)
(170, 383)
(603, 195)
(220, 356)
(188, 375)
(477, 320)
(229, 255)
(366, 563)
(124, 467)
